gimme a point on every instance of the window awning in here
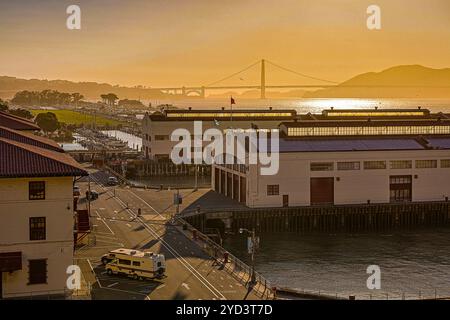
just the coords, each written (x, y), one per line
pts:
(10, 261)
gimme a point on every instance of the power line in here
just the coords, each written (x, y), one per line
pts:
(234, 74)
(300, 74)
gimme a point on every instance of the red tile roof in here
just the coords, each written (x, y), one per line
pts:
(23, 160)
(16, 123)
(28, 138)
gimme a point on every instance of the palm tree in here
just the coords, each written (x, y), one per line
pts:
(112, 98)
(104, 98)
(76, 97)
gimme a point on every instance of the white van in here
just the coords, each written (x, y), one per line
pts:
(134, 263)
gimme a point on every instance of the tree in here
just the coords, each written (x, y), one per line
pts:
(77, 97)
(3, 105)
(47, 122)
(109, 98)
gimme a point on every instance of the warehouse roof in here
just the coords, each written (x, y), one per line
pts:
(349, 145)
(358, 144)
(224, 115)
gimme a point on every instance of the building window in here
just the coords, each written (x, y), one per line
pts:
(161, 137)
(36, 190)
(352, 165)
(445, 163)
(400, 188)
(322, 166)
(426, 164)
(37, 271)
(401, 164)
(37, 228)
(373, 165)
(273, 190)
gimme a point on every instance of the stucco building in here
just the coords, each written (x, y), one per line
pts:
(36, 212)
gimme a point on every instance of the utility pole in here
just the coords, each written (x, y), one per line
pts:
(178, 202)
(254, 244)
(253, 255)
(263, 79)
(196, 178)
(89, 195)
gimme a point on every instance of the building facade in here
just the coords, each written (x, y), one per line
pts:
(37, 214)
(398, 157)
(158, 126)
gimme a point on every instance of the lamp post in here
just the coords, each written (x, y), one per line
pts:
(252, 251)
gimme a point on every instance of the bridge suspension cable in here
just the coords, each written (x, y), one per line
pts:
(300, 74)
(234, 74)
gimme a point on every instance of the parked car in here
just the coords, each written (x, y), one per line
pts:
(112, 181)
(76, 191)
(93, 195)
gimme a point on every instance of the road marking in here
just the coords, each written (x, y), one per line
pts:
(146, 203)
(185, 285)
(103, 220)
(175, 253)
(113, 284)
(178, 256)
(160, 287)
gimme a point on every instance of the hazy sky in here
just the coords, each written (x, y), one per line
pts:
(194, 42)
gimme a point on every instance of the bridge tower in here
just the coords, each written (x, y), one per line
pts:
(263, 79)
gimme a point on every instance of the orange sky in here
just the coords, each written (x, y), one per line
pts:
(193, 42)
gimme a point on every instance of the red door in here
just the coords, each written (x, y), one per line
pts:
(322, 191)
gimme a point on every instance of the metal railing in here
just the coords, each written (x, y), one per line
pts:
(238, 269)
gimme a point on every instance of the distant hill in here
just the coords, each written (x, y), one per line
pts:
(430, 84)
(91, 90)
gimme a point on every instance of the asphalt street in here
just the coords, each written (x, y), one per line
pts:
(191, 273)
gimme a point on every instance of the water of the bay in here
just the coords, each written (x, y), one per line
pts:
(413, 263)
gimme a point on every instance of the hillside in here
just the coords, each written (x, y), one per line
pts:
(430, 83)
(91, 90)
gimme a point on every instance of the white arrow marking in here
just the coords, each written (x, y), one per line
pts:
(185, 285)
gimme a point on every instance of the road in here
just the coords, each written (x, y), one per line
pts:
(191, 274)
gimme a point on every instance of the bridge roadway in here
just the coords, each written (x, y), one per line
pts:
(191, 274)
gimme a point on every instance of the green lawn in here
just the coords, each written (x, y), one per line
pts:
(76, 118)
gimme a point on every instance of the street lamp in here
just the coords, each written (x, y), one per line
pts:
(254, 242)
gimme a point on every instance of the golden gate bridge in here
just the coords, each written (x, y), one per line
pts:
(262, 86)
(200, 91)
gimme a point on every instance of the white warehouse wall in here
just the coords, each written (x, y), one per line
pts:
(355, 186)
